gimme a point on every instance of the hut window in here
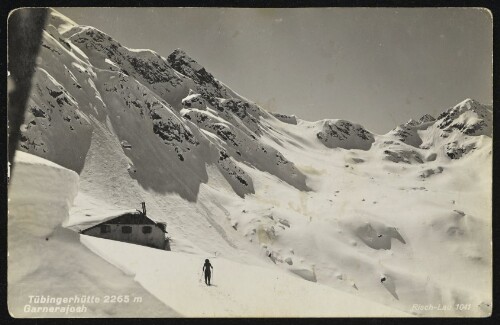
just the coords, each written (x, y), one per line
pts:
(146, 229)
(105, 229)
(126, 229)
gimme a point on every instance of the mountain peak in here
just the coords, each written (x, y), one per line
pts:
(426, 118)
(411, 122)
(184, 64)
(179, 52)
(468, 102)
(469, 117)
(179, 58)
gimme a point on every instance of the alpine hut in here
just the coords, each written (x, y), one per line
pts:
(133, 227)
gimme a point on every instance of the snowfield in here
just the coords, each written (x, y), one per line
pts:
(298, 218)
(237, 290)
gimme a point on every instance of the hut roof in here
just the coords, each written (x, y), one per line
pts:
(132, 218)
(136, 218)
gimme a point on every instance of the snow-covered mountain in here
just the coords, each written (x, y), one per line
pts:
(402, 218)
(85, 78)
(455, 130)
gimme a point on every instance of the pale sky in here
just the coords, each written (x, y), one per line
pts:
(375, 66)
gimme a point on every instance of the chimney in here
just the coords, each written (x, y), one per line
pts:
(143, 207)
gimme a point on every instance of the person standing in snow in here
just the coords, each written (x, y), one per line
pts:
(208, 272)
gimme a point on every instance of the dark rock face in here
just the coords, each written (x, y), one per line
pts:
(290, 119)
(403, 156)
(346, 135)
(456, 151)
(402, 133)
(242, 109)
(343, 129)
(468, 129)
(426, 118)
(38, 112)
(232, 171)
(170, 131)
(182, 63)
(194, 101)
(151, 71)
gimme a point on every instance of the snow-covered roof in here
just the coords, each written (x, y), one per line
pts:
(133, 218)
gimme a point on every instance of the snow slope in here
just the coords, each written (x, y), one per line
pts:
(237, 290)
(402, 218)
